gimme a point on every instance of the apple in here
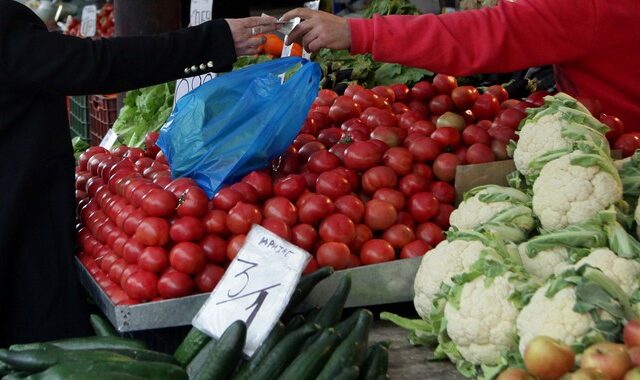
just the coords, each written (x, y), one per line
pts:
(612, 359)
(632, 374)
(514, 374)
(548, 359)
(631, 333)
(585, 374)
(634, 354)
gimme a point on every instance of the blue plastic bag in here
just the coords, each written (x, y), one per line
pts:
(238, 122)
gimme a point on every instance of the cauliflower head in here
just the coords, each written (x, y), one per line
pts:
(546, 263)
(623, 272)
(483, 325)
(553, 317)
(636, 216)
(566, 193)
(483, 203)
(446, 260)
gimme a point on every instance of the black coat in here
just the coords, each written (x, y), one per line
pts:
(39, 294)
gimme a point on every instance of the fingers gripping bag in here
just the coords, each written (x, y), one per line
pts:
(239, 122)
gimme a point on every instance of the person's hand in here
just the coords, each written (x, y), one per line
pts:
(246, 33)
(319, 30)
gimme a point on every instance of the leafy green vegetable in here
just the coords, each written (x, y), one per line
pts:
(247, 60)
(392, 73)
(79, 146)
(391, 7)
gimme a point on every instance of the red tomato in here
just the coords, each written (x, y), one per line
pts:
(308, 149)
(366, 98)
(379, 215)
(351, 176)
(444, 167)
(187, 228)
(215, 249)
(153, 259)
(378, 177)
(315, 208)
(280, 208)
(187, 257)
(461, 153)
(363, 234)
(338, 228)
(628, 143)
(215, 222)
(498, 91)
(486, 107)
(409, 118)
(441, 104)
(425, 148)
(242, 216)
(376, 251)
(510, 117)
(502, 133)
(278, 227)
(479, 154)
(616, 127)
(414, 249)
(447, 137)
(291, 187)
(158, 202)
(193, 202)
(592, 104)
(179, 185)
(444, 212)
(286, 163)
(424, 127)
(152, 231)
(311, 267)
(399, 235)
(344, 108)
(304, 137)
(401, 91)
(423, 206)
(464, 97)
(385, 92)
(499, 149)
(430, 233)
(395, 197)
(107, 261)
(352, 89)
(142, 286)
(362, 155)
(423, 91)
(381, 118)
(234, 246)
(445, 84)
(174, 285)
(226, 198)
(332, 184)
(128, 271)
(134, 153)
(115, 272)
(475, 135)
(333, 254)
(304, 236)
(326, 97)
(338, 149)
(399, 159)
(443, 191)
(249, 194)
(412, 183)
(327, 137)
(87, 154)
(392, 136)
(323, 161)
(351, 206)
(207, 280)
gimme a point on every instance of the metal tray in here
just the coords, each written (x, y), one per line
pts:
(371, 285)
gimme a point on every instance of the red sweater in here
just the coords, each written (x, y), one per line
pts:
(594, 45)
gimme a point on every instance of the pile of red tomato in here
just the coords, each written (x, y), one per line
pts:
(105, 23)
(367, 180)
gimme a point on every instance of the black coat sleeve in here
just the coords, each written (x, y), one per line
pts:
(33, 59)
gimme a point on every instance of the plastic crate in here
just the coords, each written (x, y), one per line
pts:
(102, 114)
(78, 116)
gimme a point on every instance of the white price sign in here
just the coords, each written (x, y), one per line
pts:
(88, 21)
(109, 139)
(256, 287)
(200, 11)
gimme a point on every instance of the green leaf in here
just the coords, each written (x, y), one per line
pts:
(621, 242)
(630, 176)
(605, 164)
(588, 234)
(421, 331)
(391, 73)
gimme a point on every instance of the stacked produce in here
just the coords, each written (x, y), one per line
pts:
(333, 346)
(105, 23)
(553, 258)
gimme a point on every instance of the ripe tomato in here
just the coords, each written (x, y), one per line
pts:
(174, 284)
(395, 197)
(179, 185)
(379, 215)
(187, 228)
(425, 148)
(304, 137)
(333, 254)
(392, 136)
(430, 233)
(447, 137)
(142, 285)
(386, 93)
(366, 98)
(315, 208)
(107, 261)
(401, 91)
(187, 257)
(414, 249)
(286, 163)
(215, 222)
(479, 154)
(486, 107)
(153, 259)
(363, 234)
(423, 206)
(242, 216)
(158, 202)
(322, 161)
(193, 202)
(464, 97)
(344, 108)
(128, 271)
(234, 246)
(499, 149)
(310, 179)
(510, 117)
(378, 177)
(351, 206)
(444, 167)
(304, 236)
(475, 135)
(339, 228)
(405, 218)
(338, 149)
(278, 227)
(443, 191)
(502, 133)
(381, 118)
(352, 89)
(327, 137)
(351, 176)
(498, 91)
(226, 198)
(399, 235)
(215, 249)
(441, 104)
(332, 184)
(280, 208)
(248, 193)
(291, 186)
(207, 280)
(412, 183)
(399, 159)
(409, 118)
(152, 231)
(444, 212)
(616, 127)
(311, 267)
(423, 91)
(424, 127)
(115, 272)
(628, 143)
(376, 251)
(452, 120)
(132, 250)
(362, 155)
(87, 154)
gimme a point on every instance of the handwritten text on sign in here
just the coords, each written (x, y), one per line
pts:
(200, 11)
(88, 21)
(256, 287)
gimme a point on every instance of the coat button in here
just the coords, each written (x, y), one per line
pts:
(210, 64)
(203, 66)
(187, 70)
(194, 68)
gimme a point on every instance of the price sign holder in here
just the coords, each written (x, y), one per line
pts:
(255, 288)
(109, 139)
(88, 21)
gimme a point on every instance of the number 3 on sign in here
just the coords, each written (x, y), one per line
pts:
(256, 287)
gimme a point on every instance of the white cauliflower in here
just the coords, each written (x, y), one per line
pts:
(446, 260)
(483, 203)
(483, 325)
(546, 263)
(636, 216)
(573, 188)
(623, 272)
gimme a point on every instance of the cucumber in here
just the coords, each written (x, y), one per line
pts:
(190, 346)
(310, 362)
(344, 327)
(144, 370)
(93, 375)
(244, 372)
(282, 354)
(225, 356)
(295, 322)
(331, 312)
(146, 355)
(348, 373)
(377, 362)
(352, 351)
(88, 343)
(40, 360)
(101, 327)
(311, 313)
(15, 376)
(305, 286)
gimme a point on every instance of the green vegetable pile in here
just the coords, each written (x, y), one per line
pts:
(79, 146)
(391, 7)
(145, 110)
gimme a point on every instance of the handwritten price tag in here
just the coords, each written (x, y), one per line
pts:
(109, 139)
(256, 287)
(200, 11)
(88, 21)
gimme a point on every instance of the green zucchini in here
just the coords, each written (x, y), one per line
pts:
(305, 286)
(190, 346)
(88, 343)
(331, 312)
(40, 360)
(144, 370)
(225, 356)
(348, 373)
(244, 372)
(352, 351)
(310, 362)
(101, 327)
(377, 362)
(146, 355)
(283, 353)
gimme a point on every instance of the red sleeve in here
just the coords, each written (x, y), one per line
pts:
(514, 35)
